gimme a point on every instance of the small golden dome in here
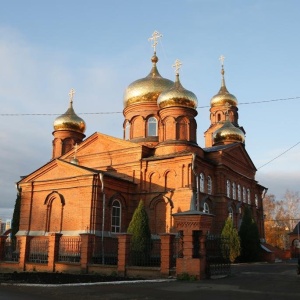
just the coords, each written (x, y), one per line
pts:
(177, 96)
(223, 95)
(228, 134)
(148, 88)
(69, 120)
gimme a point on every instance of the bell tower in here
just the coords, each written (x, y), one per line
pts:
(223, 106)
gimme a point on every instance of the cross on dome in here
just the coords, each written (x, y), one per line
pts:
(177, 66)
(221, 59)
(155, 36)
(71, 94)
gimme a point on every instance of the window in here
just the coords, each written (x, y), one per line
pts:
(248, 196)
(116, 216)
(239, 193)
(206, 208)
(230, 213)
(209, 185)
(202, 182)
(244, 194)
(152, 127)
(228, 188)
(233, 191)
(127, 130)
(256, 200)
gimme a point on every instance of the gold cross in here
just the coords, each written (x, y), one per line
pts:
(71, 94)
(177, 66)
(155, 36)
(221, 59)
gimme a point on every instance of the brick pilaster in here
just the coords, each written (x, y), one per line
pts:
(86, 250)
(123, 252)
(166, 253)
(24, 242)
(53, 250)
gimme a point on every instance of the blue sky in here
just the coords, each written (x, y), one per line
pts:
(99, 47)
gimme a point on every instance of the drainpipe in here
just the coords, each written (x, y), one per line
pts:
(101, 176)
(197, 182)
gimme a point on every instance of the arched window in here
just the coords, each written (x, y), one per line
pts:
(202, 182)
(239, 193)
(230, 213)
(244, 194)
(152, 127)
(233, 191)
(209, 185)
(127, 130)
(116, 216)
(219, 117)
(248, 196)
(256, 200)
(228, 188)
(206, 208)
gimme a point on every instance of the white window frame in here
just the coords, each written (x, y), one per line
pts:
(201, 182)
(239, 192)
(206, 208)
(233, 191)
(228, 186)
(116, 220)
(209, 185)
(127, 130)
(152, 126)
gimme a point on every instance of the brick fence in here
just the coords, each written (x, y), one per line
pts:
(175, 254)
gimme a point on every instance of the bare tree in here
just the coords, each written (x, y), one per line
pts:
(281, 216)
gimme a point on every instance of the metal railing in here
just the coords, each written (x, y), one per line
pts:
(105, 251)
(177, 248)
(38, 250)
(217, 256)
(69, 249)
(146, 254)
(11, 250)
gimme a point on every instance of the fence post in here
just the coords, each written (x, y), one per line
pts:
(53, 250)
(123, 252)
(191, 222)
(2, 246)
(86, 250)
(24, 241)
(166, 252)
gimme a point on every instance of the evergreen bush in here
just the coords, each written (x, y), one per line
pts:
(140, 246)
(249, 237)
(231, 234)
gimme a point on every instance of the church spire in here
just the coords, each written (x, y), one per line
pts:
(223, 107)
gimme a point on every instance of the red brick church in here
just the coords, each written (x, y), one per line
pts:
(93, 184)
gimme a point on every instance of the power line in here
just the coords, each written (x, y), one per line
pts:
(120, 112)
(279, 155)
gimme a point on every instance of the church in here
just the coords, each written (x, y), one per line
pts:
(94, 184)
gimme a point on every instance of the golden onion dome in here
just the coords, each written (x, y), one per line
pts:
(223, 95)
(228, 133)
(69, 120)
(177, 96)
(148, 88)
